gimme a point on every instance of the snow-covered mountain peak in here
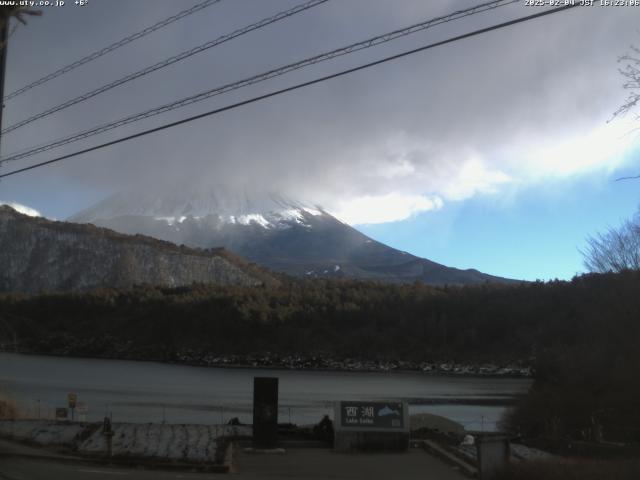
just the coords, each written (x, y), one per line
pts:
(228, 205)
(269, 229)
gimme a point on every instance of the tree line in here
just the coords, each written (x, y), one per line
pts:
(580, 336)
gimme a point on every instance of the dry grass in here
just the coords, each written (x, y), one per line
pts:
(575, 469)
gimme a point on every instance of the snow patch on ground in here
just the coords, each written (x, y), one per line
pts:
(254, 218)
(524, 452)
(294, 214)
(42, 432)
(18, 207)
(187, 443)
(276, 219)
(519, 451)
(312, 211)
(171, 220)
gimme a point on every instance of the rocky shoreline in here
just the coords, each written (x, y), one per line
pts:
(298, 362)
(301, 362)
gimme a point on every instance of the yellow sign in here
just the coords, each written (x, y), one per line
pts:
(73, 398)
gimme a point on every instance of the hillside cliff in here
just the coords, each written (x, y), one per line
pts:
(38, 255)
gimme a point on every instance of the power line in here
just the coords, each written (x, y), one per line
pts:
(294, 87)
(112, 47)
(371, 42)
(169, 61)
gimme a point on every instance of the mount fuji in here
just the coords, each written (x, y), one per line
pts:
(271, 230)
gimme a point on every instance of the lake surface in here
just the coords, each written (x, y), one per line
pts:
(156, 392)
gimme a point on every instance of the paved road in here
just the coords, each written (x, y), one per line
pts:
(19, 462)
(303, 464)
(40, 469)
(316, 463)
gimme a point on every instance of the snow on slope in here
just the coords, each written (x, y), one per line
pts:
(268, 229)
(268, 210)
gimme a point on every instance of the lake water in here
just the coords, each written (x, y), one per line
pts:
(156, 392)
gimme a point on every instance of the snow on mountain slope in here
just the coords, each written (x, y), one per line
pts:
(264, 209)
(271, 230)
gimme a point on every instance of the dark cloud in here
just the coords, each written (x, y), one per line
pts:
(446, 123)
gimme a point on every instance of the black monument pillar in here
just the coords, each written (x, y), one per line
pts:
(265, 412)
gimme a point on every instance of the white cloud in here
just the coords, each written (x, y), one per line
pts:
(472, 118)
(474, 177)
(601, 147)
(22, 209)
(392, 207)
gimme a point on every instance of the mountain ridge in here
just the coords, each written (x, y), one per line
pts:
(272, 231)
(37, 254)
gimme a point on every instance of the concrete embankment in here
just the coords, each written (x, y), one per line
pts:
(158, 442)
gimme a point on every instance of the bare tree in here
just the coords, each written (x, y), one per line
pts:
(615, 250)
(17, 13)
(631, 73)
(8, 12)
(618, 249)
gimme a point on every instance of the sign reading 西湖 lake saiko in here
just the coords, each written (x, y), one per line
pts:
(371, 425)
(378, 415)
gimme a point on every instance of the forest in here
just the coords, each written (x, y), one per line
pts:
(580, 337)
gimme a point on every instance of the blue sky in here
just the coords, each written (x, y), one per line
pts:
(534, 233)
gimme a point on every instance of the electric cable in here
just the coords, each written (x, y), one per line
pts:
(112, 47)
(371, 42)
(295, 87)
(165, 63)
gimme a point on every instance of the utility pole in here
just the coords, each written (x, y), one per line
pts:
(5, 17)
(4, 39)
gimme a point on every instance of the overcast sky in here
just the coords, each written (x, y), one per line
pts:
(493, 152)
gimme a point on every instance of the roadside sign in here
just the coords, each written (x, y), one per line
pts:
(61, 413)
(371, 425)
(377, 415)
(82, 407)
(73, 398)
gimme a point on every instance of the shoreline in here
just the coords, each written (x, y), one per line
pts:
(315, 364)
